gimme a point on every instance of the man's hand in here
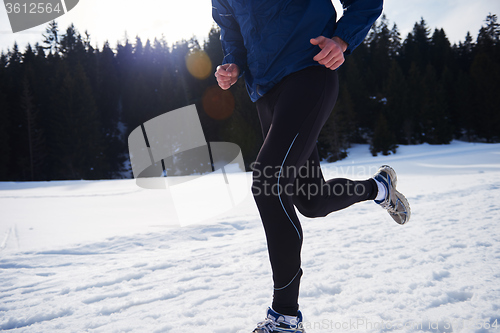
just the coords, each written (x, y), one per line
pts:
(227, 75)
(332, 51)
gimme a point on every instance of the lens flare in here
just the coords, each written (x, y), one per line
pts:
(198, 64)
(218, 103)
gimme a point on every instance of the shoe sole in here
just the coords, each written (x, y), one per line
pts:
(404, 202)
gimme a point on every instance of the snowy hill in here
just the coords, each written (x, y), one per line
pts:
(105, 256)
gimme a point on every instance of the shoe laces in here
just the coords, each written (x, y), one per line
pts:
(386, 204)
(392, 208)
(266, 326)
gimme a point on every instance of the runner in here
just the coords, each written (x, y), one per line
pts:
(288, 51)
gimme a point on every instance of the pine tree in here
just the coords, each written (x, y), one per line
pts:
(434, 114)
(11, 90)
(146, 82)
(339, 129)
(440, 51)
(380, 43)
(394, 42)
(383, 139)
(412, 125)
(352, 76)
(51, 38)
(182, 94)
(489, 36)
(4, 123)
(448, 83)
(4, 139)
(126, 69)
(35, 138)
(138, 48)
(77, 145)
(107, 103)
(69, 41)
(72, 48)
(464, 106)
(416, 48)
(397, 95)
(485, 74)
(465, 52)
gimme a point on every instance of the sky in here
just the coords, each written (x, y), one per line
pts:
(113, 20)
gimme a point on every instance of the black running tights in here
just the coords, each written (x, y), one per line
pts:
(286, 173)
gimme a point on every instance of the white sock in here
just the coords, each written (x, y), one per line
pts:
(288, 319)
(382, 192)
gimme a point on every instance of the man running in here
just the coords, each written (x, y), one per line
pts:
(288, 51)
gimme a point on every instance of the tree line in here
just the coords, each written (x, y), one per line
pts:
(67, 107)
(418, 90)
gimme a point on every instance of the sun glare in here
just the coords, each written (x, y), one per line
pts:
(217, 103)
(198, 64)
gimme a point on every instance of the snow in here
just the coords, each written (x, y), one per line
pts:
(109, 256)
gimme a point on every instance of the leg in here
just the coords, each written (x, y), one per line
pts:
(292, 116)
(315, 197)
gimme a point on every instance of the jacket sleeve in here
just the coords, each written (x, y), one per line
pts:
(230, 35)
(354, 25)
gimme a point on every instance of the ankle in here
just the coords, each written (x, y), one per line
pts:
(382, 191)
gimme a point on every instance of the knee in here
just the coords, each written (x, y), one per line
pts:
(310, 210)
(312, 213)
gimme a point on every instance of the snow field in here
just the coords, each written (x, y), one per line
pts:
(104, 256)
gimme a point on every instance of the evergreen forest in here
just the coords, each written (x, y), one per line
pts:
(67, 107)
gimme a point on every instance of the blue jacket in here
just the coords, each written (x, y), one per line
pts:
(269, 39)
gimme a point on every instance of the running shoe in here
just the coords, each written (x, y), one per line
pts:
(394, 202)
(276, 322)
